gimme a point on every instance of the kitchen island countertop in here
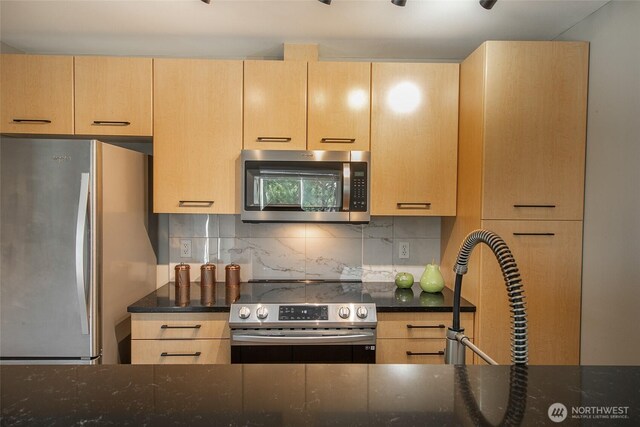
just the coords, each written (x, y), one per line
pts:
(386, 295)
(318, 395)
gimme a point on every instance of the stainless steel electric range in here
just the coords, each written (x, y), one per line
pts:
(303, 322)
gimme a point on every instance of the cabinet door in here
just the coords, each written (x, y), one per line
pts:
(113, 96)
(36, 94)
(535, 130)
(414, 139)
(197, 135)
(548, 254)
(275, 105)
(339, 106)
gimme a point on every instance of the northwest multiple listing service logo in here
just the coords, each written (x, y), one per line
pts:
(558, 412)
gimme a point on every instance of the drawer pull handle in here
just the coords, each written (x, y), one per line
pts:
(413, 205)
(181, 327)
(195, 203)
(435, 353)
(110, 123)
(338, 140)
(440, 326)
(534, 206)
(32, 121)
(165, 354)
(534, 234)
(273, 139)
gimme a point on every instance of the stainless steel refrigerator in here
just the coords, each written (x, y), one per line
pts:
(75, 248)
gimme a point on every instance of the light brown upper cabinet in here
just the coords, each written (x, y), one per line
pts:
(36, 94)
(339, 106)
(534, 133)
(113, 96)
(414, 139)
(197, 135)
(275, 105)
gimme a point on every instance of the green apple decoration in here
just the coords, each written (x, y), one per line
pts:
(432, 280)
(404, 280)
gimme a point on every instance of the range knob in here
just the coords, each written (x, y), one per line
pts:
(244, 312)
(262, 312)
(344, 312)
(362, 312)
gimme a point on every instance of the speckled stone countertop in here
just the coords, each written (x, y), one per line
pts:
(317, 395)
(386, 295)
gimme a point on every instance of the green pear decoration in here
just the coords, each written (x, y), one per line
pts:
(432, 280)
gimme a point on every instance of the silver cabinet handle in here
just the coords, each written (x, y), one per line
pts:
(165, 354)
(273, 139)
(195, 203)
(180, 327)
(32, 121)
(534, 206)
(110, 123)
(534, 234)
(81, 227)
(346, 186)
(413, 205)
(435, 353)
(338, 140)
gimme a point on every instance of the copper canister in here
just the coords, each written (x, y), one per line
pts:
(183, 283)
(208, 284)
(232, 275)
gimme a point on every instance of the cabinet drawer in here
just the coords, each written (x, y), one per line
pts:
(413, 351)
(161, 326)
(420, 325)
(180, 352)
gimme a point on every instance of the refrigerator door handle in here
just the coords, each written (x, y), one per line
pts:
(81, 228)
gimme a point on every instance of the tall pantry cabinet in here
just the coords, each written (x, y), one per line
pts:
(521, 174)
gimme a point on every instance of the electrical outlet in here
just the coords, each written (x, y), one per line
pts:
(403, 250)
(185, 248)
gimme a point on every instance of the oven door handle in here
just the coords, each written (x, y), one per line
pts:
(303, 339)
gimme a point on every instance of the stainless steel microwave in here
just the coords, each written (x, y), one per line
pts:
(305, 186)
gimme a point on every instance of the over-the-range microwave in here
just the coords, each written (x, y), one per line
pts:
(305, 186)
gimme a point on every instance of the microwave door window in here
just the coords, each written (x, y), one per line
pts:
(296, 190)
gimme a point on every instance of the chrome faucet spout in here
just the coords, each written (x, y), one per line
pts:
(515, 293)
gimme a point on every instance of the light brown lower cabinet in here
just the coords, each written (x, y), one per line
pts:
(157, 352)
(180, 338)
(416, 338)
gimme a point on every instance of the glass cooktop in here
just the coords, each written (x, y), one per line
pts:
(310, 292)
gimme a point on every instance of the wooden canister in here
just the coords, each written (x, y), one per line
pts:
(208, 284)
(183, 283)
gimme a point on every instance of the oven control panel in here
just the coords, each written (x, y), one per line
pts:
(303, 312)
(360, 314)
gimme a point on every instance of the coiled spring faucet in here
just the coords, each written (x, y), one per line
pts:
(456, 339)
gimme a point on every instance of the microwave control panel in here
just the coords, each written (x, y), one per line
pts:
(359, 186)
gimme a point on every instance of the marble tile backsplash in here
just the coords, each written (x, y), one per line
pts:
(368, 252)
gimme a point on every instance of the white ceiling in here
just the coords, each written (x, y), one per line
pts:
(354, 29)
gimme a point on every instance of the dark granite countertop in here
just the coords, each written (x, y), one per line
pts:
(386, 295)
(317, 395)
